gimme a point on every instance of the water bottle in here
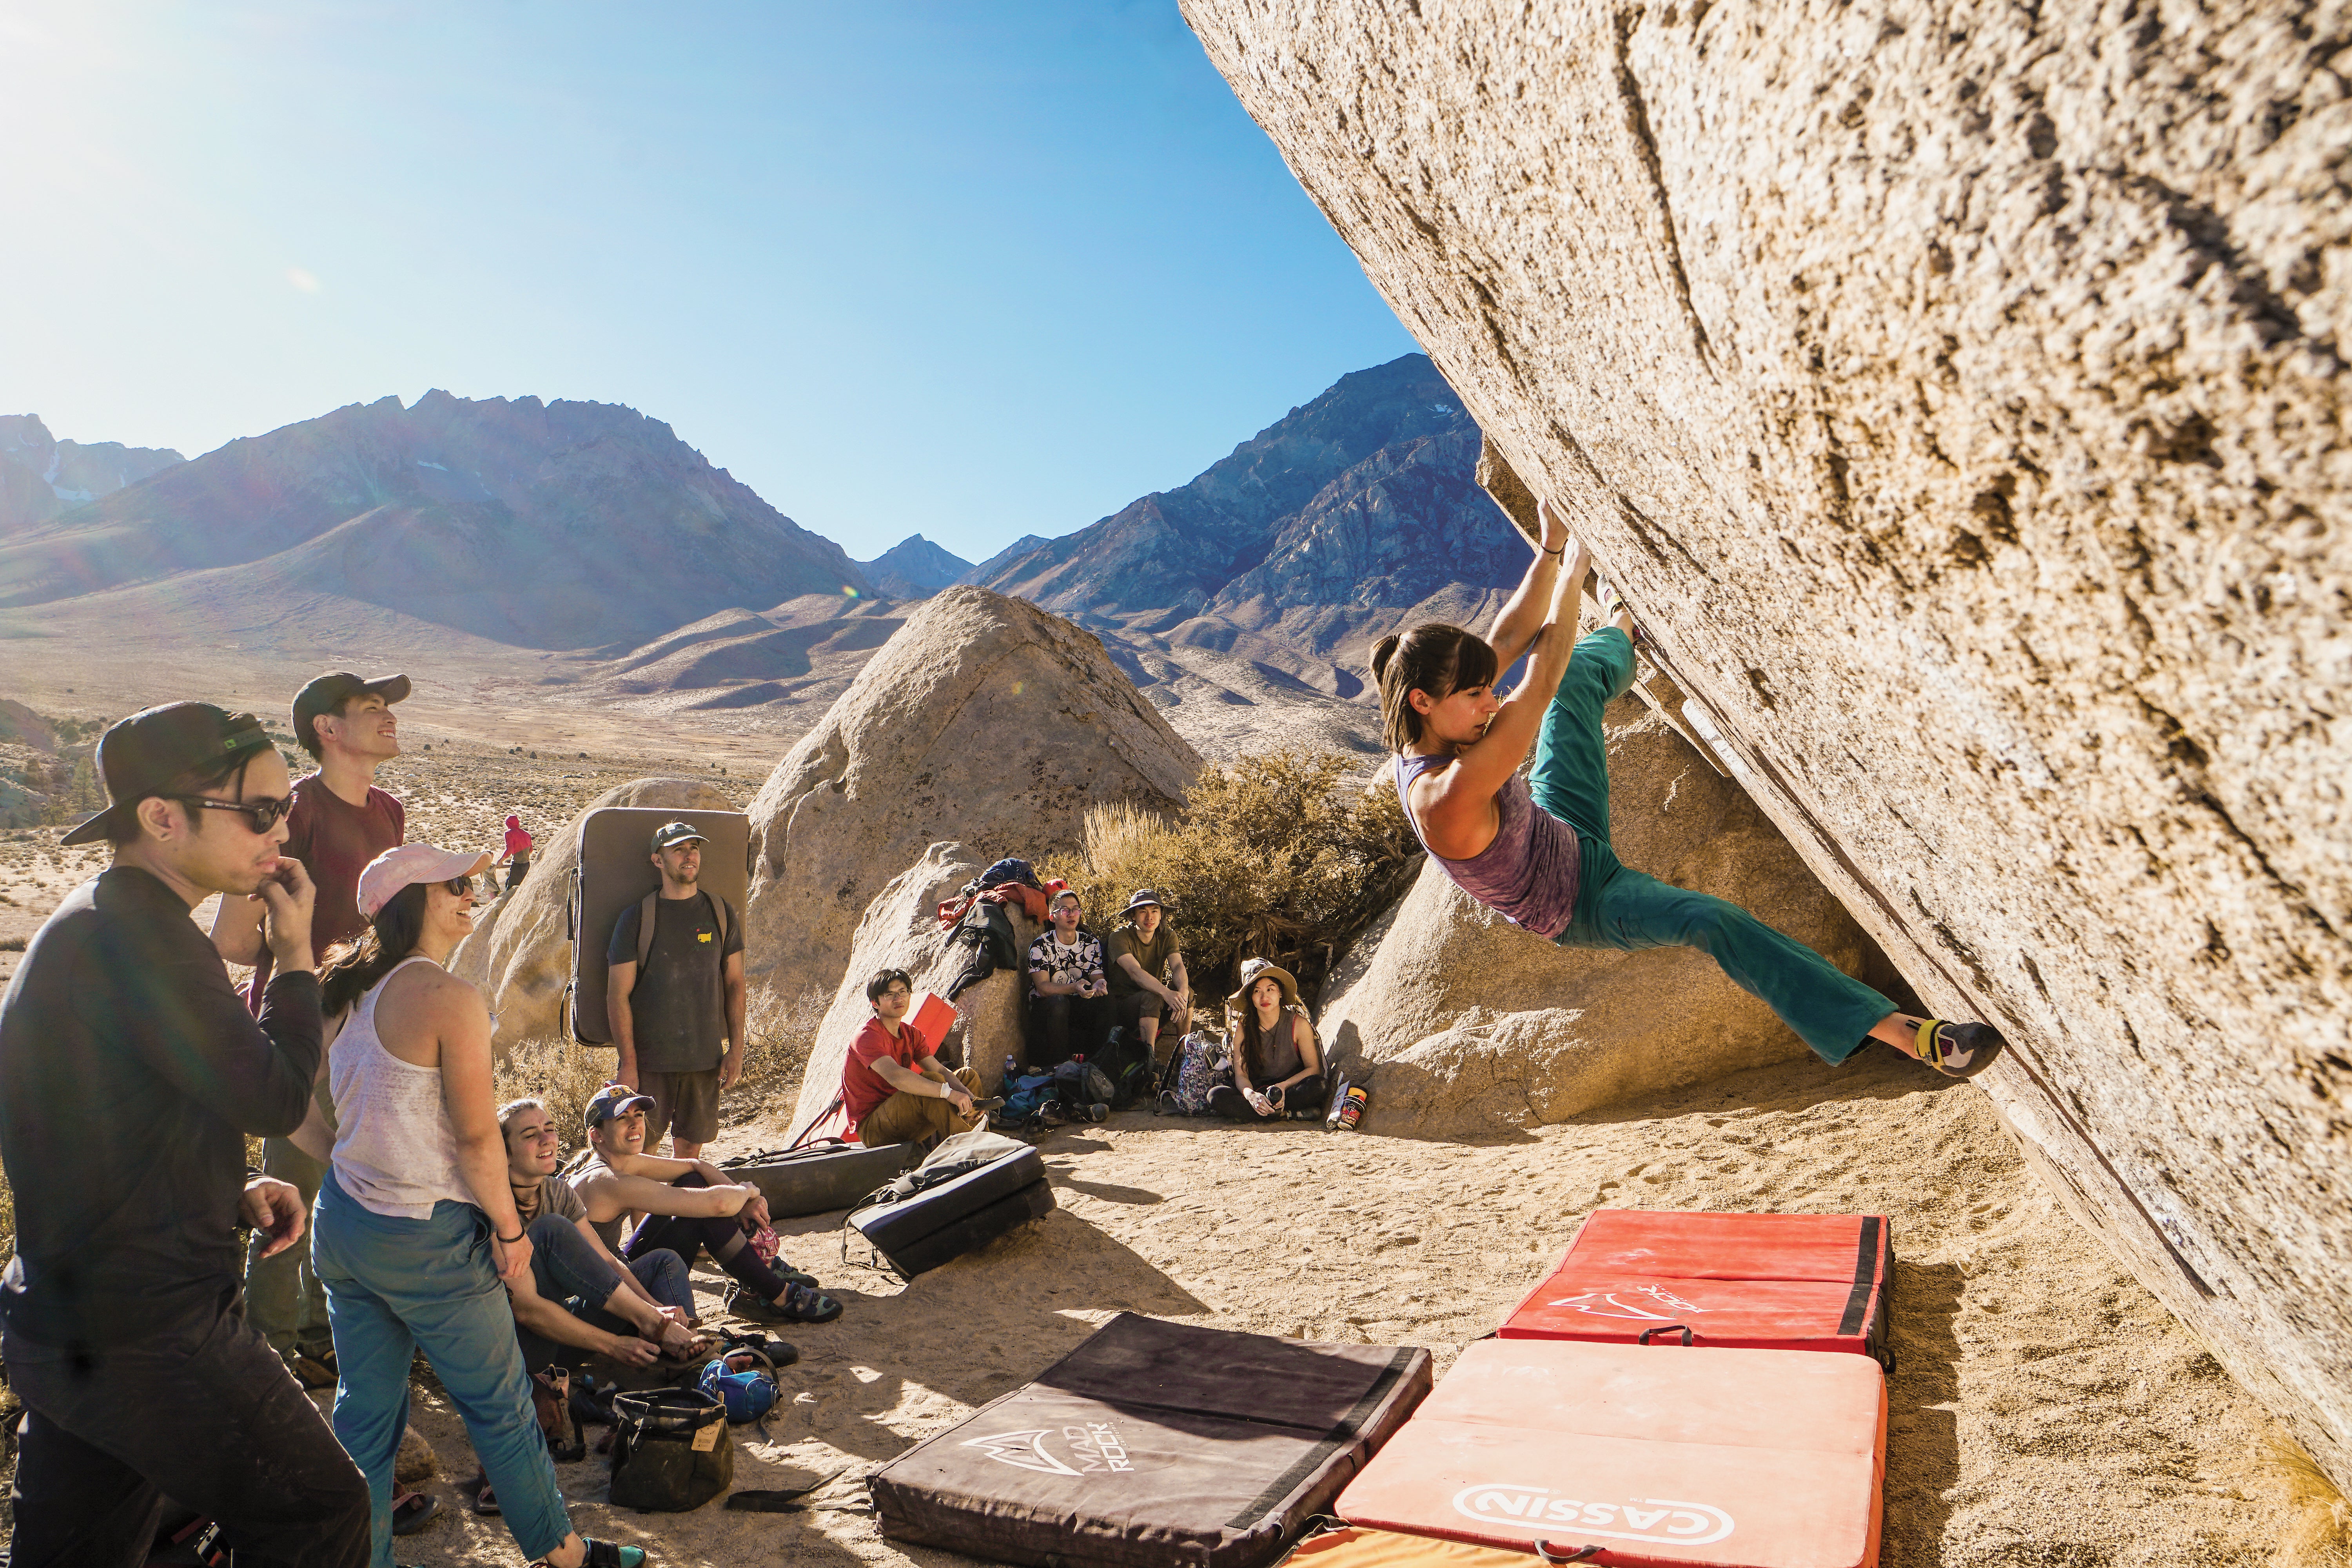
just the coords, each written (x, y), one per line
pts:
(1012, 1068)
(1339, 1098)
(1351, 1112)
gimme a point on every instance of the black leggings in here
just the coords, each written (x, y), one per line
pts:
(1311, 1093)
(720, 1235)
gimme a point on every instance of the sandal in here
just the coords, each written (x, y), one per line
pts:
(611, 1555)
(313, 1374)
(412, 1511)
(1958, 1050)
(481, 1499)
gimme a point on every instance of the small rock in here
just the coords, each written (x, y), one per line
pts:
(415, 1460)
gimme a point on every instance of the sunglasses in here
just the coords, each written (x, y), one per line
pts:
(460, 886)
(261, 816)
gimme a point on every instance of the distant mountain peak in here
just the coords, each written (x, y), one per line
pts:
(41, 476)
(914, 568)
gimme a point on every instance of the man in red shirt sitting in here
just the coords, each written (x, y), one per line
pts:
(893, 1088)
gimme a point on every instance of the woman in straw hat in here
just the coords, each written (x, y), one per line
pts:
(1277, 1063)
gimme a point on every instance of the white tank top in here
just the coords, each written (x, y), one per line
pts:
(395, 1153)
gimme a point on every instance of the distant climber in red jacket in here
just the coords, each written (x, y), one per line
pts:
(1535, 848)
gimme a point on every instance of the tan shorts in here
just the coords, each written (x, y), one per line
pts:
(910, 1118)
(685, 1106)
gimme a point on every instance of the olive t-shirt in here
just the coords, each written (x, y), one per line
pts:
(678, 1005)
(1152, 955)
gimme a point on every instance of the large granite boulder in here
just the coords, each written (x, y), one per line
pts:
(984, 720)
(1471, 1024)
(901, 929)
(1956, 390)
(518, 952)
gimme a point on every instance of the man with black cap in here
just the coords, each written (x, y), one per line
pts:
(674, 996)
(130, 1073)
(339, 821)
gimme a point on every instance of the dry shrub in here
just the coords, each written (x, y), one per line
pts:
(775, 1057)
(2321, 1535)
(1273, 856)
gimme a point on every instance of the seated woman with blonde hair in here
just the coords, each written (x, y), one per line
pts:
(1278, 1062)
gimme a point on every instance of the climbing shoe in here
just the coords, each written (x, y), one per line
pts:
(1958, 1050)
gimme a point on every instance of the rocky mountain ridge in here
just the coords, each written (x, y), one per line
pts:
(914, 568)
(41, 476)
(542, 525)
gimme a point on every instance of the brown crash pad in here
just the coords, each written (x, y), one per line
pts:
(1155, 1443)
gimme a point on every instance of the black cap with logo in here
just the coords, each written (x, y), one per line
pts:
(157, 749)
(329, 693)
(671, 833)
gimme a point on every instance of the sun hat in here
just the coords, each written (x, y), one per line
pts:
(670, 833)
(1144, 896)
(158, 747)
(613, 1099)
(396, 868)
(1256, 969)
(330, 691)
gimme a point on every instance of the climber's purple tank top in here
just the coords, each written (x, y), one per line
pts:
(1528, 874)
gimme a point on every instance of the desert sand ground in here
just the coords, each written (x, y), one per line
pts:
(2045, 1409)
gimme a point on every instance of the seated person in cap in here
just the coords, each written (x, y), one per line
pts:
(893, 1088)
(1147, 975)
(686, 1207)
(1278, 1065)
(1069, 995)
(578, 1299)
(674, 996)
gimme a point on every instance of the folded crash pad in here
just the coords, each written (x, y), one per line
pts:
(1755, 1282)
(1151, 1444)
(1653, 1454)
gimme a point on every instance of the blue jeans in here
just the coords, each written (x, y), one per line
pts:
(1622, 907)
(396, 1285)
(569, 1272)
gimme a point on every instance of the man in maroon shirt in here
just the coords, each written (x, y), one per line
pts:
(339, 821)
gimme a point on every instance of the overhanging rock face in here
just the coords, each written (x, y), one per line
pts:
(1954, 390)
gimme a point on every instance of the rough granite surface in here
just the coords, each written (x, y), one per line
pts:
(1955, 387)
(983, 720)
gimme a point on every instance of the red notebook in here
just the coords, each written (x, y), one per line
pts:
(1653, 1454)
(1752, 1282)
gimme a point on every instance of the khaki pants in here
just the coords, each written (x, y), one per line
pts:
(910, 1118)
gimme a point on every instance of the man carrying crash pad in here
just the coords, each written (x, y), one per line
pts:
(893, 1088)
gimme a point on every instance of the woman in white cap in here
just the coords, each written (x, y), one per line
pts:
(416, 1225)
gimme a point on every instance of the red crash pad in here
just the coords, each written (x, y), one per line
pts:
(1656, 1455)
(1755, 1281)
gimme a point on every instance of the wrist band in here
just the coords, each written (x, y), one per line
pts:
(510, 1240)
(1561, 552)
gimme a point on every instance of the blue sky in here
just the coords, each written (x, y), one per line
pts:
(967, 272)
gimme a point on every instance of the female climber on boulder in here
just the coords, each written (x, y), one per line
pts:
(1535, 849)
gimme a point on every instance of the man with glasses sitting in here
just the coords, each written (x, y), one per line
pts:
(130, 1074)
(893, 1088)
(339, 821)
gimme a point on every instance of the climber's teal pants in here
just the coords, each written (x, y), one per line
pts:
(1622, 907)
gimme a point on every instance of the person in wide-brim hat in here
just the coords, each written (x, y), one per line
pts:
(1278, 1066)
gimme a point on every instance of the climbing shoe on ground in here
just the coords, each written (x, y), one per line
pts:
(798, 1304)
(1958, 1050)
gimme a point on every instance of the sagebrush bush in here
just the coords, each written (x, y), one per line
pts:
(1272, 857)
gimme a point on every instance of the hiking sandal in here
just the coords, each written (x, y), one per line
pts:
(605, 1554)
(482, 1501)
(412, 1511)
(1958, 1050)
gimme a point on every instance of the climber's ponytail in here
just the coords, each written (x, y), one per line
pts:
(1434, 657)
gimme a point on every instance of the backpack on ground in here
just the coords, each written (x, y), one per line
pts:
(1026, 1099)
(671, 1450)
(1202, 1063)
(1081, 1085)
(1126, 1061)
(743, 1380)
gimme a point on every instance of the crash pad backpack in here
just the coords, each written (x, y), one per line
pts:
(671, 1450)
(1202, 1062)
